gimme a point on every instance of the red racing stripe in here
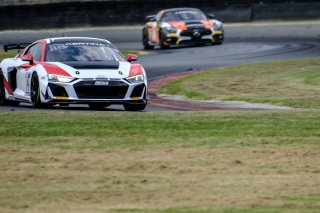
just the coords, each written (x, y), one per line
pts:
(54, 69)
(136, 69)
(6, 85)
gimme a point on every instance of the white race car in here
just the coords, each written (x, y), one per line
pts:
(75, 70)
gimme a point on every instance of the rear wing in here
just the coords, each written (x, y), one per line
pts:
(18, 47)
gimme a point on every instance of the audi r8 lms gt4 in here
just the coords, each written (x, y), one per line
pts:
(179, 26)
(73, 70)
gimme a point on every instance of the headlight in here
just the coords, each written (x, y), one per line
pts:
(60, 78)
(171, 29)
(136, 79)
(218, 25)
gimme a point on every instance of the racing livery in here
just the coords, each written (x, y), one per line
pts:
(179, 26)
(72, 70)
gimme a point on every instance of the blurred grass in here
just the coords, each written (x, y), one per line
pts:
(293, 83)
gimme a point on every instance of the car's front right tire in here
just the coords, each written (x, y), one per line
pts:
(145, 40)
(134, 107)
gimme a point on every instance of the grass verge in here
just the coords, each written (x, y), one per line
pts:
(293, 83)
(219, 161)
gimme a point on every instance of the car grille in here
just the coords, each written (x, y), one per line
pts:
(137, 91)
(88, 90)
(189, 32)
(58, 90)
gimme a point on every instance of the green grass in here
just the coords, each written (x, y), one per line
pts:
(115, 129)
(9, 54)
(160, 162)
(293, 83)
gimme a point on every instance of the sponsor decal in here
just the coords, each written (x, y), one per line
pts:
(55, 47)
(101, 83)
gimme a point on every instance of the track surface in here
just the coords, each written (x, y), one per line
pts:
(244, 44)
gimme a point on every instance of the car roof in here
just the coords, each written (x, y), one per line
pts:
(180, 9)
(75, 39)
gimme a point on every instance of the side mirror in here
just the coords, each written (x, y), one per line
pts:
(132, 57)
(151, 18)
(211, 16)
(28, 58)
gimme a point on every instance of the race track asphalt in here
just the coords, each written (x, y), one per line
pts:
(245, 43)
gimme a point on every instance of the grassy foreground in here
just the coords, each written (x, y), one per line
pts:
(293, 83)
(219, 161)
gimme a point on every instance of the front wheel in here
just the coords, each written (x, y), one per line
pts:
(134, 107)
(145, 40)
(35, 90)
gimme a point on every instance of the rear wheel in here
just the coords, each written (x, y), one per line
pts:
(145, 40)
(3, 100)
(35, 90)
(134, 107)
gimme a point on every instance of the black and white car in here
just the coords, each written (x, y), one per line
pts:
(72, 70)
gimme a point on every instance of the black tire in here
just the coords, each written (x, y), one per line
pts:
(134, 107)
(217, 43)
(145, 40)
(161, 42)
(3, 100)
(35, 91)
(64, 104)
(98, 106)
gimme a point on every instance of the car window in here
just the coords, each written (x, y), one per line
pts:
(35, 50)
(81, 51)
(183, 15)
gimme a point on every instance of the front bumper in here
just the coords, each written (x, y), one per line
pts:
(112, 91)
(187, 36)
(218, 37)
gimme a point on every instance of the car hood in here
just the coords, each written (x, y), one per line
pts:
(93, 64)
(88, 69)
(184, 25)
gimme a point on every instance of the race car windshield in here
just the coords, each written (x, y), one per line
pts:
(185, 15)
(81, 51)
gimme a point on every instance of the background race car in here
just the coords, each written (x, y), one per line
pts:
(180, 26)
(72, 70)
